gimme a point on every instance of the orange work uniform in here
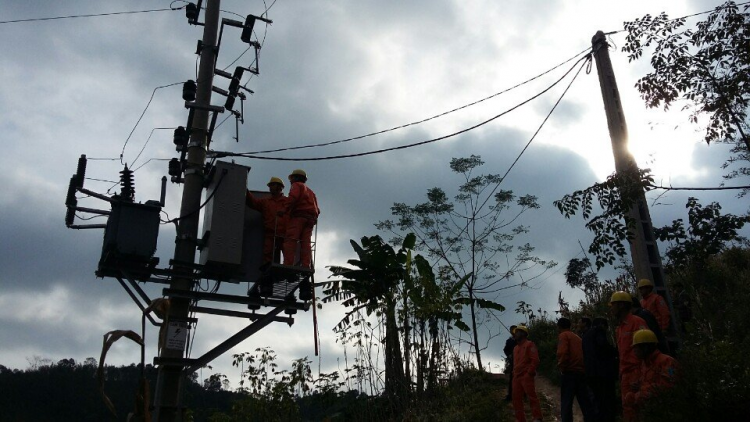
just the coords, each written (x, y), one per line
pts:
(570, 352)
(630, 365)
(274, 225)
(303, 213)
(654, 303)
(658, 371)
(525, 362)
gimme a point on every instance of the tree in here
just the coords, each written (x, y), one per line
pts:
(612, 226)
(706, 67)
(371, 284)
(708, 233)
(471, 238)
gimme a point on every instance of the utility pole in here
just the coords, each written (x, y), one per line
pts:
(644, 250)
(170, 381)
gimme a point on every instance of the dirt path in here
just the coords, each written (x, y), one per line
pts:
(549, 395)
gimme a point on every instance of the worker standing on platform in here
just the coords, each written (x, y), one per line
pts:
(654, 303)
(525, 363)
(630, 366)
(272, 208)
(303, 211)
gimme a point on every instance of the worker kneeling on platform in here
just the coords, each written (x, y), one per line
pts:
(273, 210)
(303, 211)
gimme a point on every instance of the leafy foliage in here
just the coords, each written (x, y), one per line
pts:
(612, 226)
(708, 233)
(579, 274)
(471, 238)
(67, 390)
(707, 67)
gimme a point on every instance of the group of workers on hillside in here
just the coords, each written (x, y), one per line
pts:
(288, 221)
(589, 365)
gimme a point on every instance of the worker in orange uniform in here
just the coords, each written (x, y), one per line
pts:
(630, 366)
(573, 373)
(303, 212)
(658, 371)
(654, 303)
(525, 362)
(272, 208)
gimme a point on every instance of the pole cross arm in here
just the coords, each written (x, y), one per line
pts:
(236, 339)
(242, 300)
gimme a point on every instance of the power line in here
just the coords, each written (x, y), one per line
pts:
(714, 188)
(268, 8)
(177, 83)
(361, 154)
(141, 117)
(427, 119)
(90, 15)
(688, 16)
(587, 60)
(148, 139)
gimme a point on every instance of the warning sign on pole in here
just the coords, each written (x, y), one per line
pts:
(177, 332)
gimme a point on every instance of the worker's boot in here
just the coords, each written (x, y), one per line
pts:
(305, 290)
(265, 286)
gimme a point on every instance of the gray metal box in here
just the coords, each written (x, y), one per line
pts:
(224, 219)
(130, 239)
(252, 243)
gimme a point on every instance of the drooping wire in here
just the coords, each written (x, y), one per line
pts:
(379, 151)
(100, 180)
(218, 184)
(380, 132)
(141, 116)
(148, 139)
(268, 8)
(688, 16)
(150, 160)
(587, 59)
(92, 15)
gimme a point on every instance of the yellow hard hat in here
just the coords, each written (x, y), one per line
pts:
(644, 336)
(644, 282)
(621, 297)
(522, 328)
(275, 180)
(299, 172)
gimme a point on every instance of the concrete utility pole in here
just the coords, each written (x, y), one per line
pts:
(169, 385)
(644, 250)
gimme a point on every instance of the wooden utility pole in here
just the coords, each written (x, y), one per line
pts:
(644, 250)
(170, 381)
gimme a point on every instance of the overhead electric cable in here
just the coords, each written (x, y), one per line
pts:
(361, 154)
(577, 55)
(716, 188)
(148, 139)
(141, 117)
(92, 15)
(588, 58)
(687, 16)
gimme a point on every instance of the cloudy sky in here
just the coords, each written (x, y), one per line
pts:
(328, 70)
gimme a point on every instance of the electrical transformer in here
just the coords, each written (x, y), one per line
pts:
(130, 240)
(224, 221)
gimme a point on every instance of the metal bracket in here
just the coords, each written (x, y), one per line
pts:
(143, 295)
(192, 105)
(236, 339)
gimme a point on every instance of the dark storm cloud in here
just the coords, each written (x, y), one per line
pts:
(328, 71)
